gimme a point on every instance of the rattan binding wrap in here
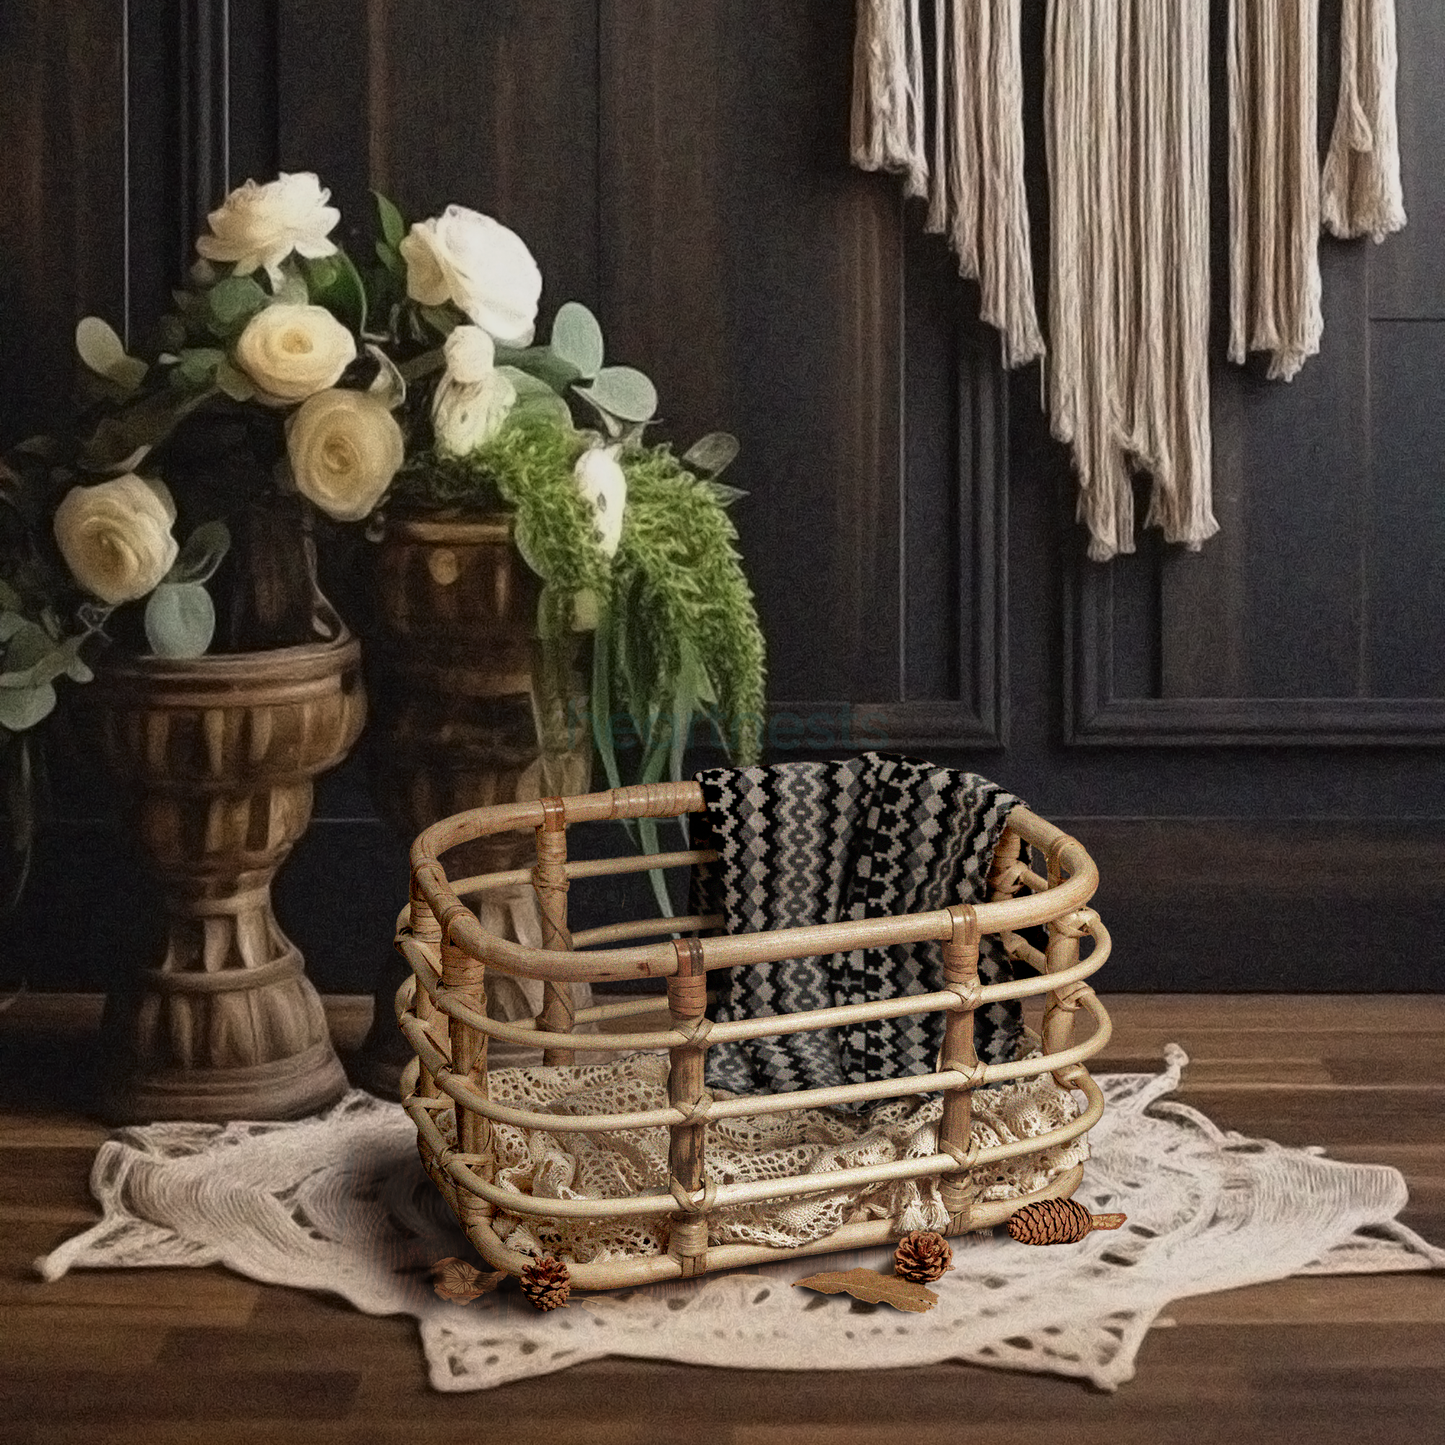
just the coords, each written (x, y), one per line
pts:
(442, 1011)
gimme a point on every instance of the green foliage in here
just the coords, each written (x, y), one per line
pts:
(684, 633)
(180, 619)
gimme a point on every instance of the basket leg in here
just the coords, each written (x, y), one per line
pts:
(549, 879)
(687, 1001)
(955, 1129)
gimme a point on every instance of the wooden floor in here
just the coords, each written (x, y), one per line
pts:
(160, 1356)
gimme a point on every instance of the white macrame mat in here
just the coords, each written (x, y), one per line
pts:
(340, 1203)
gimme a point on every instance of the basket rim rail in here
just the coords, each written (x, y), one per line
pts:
(462, 928)
(458, 1165)
(452, 1003)
(457, 1089)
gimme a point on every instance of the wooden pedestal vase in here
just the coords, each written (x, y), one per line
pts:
(452, 662)
(218, 755)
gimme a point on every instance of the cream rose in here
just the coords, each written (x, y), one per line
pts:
(116, 537)
(260, 226)
(467, 258)
(292, 352)
(345, 447)
(603, 485)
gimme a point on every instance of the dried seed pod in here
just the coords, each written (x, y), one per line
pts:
(546, 1282)
(922, 1256)
(1057, 1221)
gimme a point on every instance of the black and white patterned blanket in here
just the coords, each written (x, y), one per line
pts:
(808, 842)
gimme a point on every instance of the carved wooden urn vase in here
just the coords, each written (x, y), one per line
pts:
(218, 755)
(452, 670)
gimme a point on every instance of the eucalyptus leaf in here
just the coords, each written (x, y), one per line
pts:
(204, 551)
(541, 363)
(27, 644)
(180, 620)
(198, 367)
(713, 453)
(235, 300)
(104, 353)
(622, 392)
(393, 227)
(35, 666)
(335, 283)
(9, 597)
(23, 707)
(234, 382)
(535, 399)
(577, 339)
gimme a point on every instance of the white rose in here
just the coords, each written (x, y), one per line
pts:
(464, 417)
(470, 355)
(467, 258)
(345, 448)
(292, 352)
(260, 226)
(604, 487)
(116, 537)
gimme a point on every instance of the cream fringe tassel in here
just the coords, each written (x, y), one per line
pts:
(1274, 182)
(1362, 191)
(887, 126)
(979, 164)
(1127, 125)
(977, 192)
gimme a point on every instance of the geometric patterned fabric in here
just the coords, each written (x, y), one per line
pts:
(870, 836)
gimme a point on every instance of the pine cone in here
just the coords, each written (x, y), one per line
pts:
(1057, 1221)
(922, 1256)
(546, 1282)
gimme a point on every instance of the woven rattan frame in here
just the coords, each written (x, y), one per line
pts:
(442, 1011)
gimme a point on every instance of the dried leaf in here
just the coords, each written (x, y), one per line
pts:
(873, 1288)
(455, 1279)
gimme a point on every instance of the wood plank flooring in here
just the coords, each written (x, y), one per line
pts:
(169, 1357)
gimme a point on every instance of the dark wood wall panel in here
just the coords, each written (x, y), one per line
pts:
(490, 106)
(1407, 276)
(759, 280)
(64, 223)
(1406, 579)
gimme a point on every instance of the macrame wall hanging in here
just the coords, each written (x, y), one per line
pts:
(1274, 183)
(1127, 124)
(1127, 131)
(975, 186)
(1362, 192)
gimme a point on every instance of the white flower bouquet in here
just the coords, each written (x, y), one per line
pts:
(290, 382)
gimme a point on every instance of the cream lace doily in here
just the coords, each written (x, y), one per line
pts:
(340, 1203)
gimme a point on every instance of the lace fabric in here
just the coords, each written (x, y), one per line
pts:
(340, 1203)
(575, 1165)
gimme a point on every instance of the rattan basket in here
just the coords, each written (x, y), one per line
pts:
(442, 1011)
